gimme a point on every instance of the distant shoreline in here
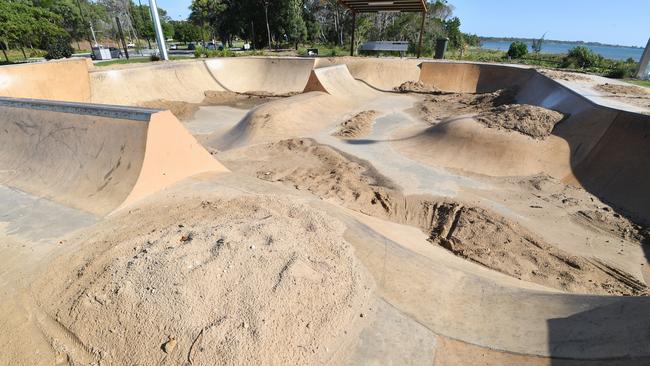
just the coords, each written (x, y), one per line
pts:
(513, 39)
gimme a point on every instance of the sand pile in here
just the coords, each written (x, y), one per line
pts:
(471, 232)
(247, 281)
(435, 108)
(500, 244)
(533, 121)
(623, 89)
(416, 87)
(358, 126)
(564, 75)
(185, 111)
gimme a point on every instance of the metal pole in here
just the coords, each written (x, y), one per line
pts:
(354, 28)
(160, 37)
(424, 16)
(119, 29)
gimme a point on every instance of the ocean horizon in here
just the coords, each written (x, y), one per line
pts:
(611, 52)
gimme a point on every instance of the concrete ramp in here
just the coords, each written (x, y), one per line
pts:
(380, 73)
(264, 75)
(93, 157)
(65, 80)
(337, 81)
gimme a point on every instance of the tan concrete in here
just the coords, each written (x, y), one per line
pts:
(65, 80)
(380, 73)
(337, 81)
(178, 81)
(471, 77)
(94, 158)
(261, 74)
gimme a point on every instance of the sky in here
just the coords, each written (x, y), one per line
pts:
(624, 22)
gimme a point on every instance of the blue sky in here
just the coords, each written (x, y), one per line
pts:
(625, 22)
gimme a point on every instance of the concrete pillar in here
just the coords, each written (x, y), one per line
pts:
(160, 36)
(644, 65)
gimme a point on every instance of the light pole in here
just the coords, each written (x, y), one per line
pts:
(160, 37)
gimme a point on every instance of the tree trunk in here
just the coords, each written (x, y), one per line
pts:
(4, 52)
(23, 50)
(268, 28)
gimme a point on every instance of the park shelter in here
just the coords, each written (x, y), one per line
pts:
(374, 6)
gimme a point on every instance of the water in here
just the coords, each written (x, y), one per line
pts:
(614, 53)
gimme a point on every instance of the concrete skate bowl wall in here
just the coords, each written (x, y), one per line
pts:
(604, 150)
(54, 80)
(460, 77)
(92, 157)
(264, 75)
(184, 81)
(380, 73)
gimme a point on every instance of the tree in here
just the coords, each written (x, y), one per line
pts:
(185, 31)
(517, 49)
(537, 44)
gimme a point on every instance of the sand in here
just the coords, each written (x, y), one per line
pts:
(416, 87)
(185, 111)
(358, 126)
(468, 231)
(533, 121)
(564, 75)
(438, 107)
(249, 280)
(623, 89)
(629, 94)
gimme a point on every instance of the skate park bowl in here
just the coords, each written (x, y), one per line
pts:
(77, 135)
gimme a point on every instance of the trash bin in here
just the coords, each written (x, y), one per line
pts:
(441, 47)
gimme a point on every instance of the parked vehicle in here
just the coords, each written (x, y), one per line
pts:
(191, 46)
(214, 46)
(115, 52)
(173, 47)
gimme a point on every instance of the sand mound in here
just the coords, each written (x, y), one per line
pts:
(623, 89)
(470, 232)
(564, 75)
(533, 121)
(357, 126)
(435, 108)
(608, 221)
(500, 244)
(252, 280)
(185, 111)
(416, 87)
(182, 110)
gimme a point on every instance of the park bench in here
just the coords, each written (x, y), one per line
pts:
(385, 46)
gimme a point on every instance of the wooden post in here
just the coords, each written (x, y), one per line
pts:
(424, 16)
(354, 28)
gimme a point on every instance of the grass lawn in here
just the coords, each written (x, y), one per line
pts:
(645, 83)
(139, 60)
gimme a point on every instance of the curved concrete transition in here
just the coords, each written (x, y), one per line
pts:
(430, 303)
(93, 157)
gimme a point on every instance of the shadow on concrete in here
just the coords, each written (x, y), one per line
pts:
(614, 332)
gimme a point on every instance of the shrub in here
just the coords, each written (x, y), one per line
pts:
(58, 47)
(154, 57)
(198, 52)
(517, 49)
(581, 57)
(622, 70)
